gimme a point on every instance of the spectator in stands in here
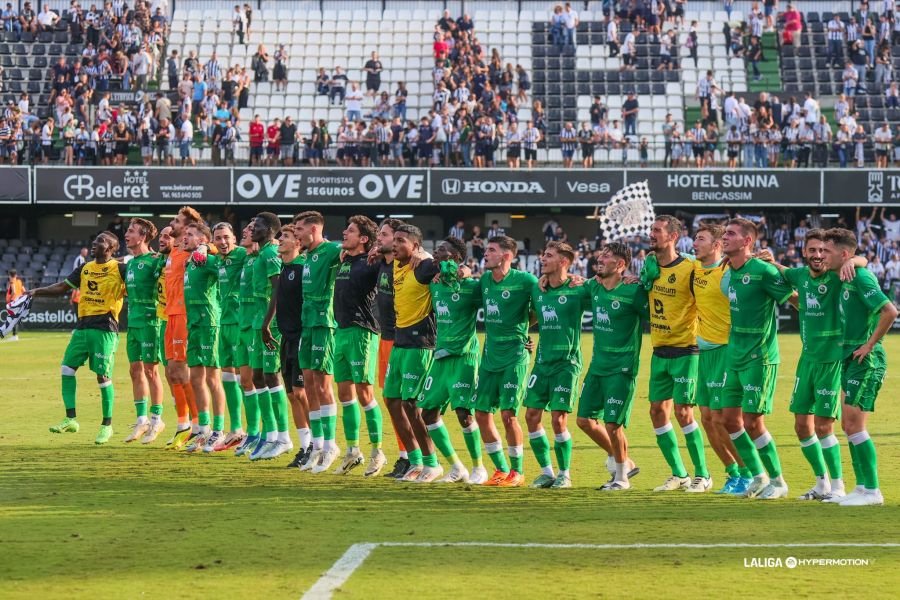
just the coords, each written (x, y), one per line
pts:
(354, 99)
(570, 23)
(495, 230)
(883, 66)
(279, 73)
(14, 289)
(883, 138)
(322, 82)
(287, 139)
(568, 143)
(373, 69)
(458, 230)
(629, 51)
(400, 96)
(835, 40)
(850, 77)
(612, 36)
(337, 85)
(793, 25)
(557, 27)
(860, 61)
(755, 56)
(10, 19)
(260, 64)
(237, 24)
(47, 19)
(630, 109)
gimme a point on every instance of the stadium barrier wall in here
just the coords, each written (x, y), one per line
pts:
(385, 187)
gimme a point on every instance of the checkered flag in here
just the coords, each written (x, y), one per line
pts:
(14, 312)
(629, 213)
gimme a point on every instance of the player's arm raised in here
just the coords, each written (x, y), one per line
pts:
(848, 269)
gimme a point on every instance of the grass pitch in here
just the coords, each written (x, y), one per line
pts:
(79, 521)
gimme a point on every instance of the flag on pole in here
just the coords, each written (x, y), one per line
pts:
(14, 312)
(629, 213)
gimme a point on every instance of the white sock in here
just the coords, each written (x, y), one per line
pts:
(548, 470)
(318, 443)
(182, 425)
(564, 473)
(205, 429)
(272, 436)
(403, 454)
(195, 428)
(837, 484)
(143, 419)
(622, 472)
(154, 418)
(305, 437)
(284, 437)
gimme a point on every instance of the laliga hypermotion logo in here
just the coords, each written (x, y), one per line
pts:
(135, 186)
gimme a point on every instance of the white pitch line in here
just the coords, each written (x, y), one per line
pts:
(356, 555)
(339, 572)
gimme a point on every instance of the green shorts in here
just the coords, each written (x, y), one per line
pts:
(244, 349)
(406, 371)
(355, 355)
(607, 397)
(751, 389)
(552, 387)
(143, 344)
(203, 346)
(229, 344)
(265, 358)
(162, 347)
(450, 380)
(501, 389)
(673, 378)
(862, 382)
(317, 349)
(96, 347)
(817, 389)
(711, 377)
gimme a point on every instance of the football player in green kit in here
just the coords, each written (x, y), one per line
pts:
(506, 297)
(557, 367)
(246, 310)
(231, 263)
(451, 379)
(866, 316)
(144, 342)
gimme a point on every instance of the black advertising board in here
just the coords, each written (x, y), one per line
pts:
(317, 187)
(131, 186)
(505, 187)
(848, 187)
(752, 187)
(14, 188)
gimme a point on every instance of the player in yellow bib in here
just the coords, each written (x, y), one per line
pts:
(714, 324)
(96, 336)
(673, 366)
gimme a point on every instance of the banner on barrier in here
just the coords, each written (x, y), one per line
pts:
(731, 188)
(131, 186)
(14, 187)
(331, 186)
(498, 187)
(852, 188)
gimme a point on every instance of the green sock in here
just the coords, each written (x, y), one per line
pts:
(747, 450)
(857, 466)
(473, 444)
(831, 452)
(540, 445)
(563, 450)
(156, 409)
(693, 439)
(668, 443)
(233, 397)
(868, 461)
(140, 407)
(441, 438)
(329, 420)
(218, 422)
(69, 387)
(415, 457)
(768, 454)
(280, 407)
(264, 399)
(251, 405)
(107, 399)
(350, 418)
(374, 422)
(516, 461)
(430, 460)
(315, 423)
(733, 470)
(495, 452)
(812, 450)
(203, 418)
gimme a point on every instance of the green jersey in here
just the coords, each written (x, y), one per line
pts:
(559, 314)
(455, 311)
(230, 269)
(861, 303)
(266, 266)
(506, 316)
(820, 317)
(617, 315)
(246, 299)
(201, 292)
(753, 292)
(141, 279)
(318, 285)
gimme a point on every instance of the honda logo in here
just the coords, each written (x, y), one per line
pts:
(451, 187)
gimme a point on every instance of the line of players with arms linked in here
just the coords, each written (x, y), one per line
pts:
(264, 325)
